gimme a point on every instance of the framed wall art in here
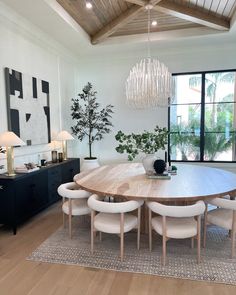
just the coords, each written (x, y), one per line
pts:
(28, 107)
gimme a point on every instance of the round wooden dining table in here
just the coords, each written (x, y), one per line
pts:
(129, 181)
(191, 183)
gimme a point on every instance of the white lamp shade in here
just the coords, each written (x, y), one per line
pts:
(9, 138)
(64, 135)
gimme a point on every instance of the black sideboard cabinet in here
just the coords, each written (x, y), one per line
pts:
(24, 195)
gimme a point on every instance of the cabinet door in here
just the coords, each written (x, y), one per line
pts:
(7, 211)
(23, 194)
(69, 169)
(54, 180)
(39, 191)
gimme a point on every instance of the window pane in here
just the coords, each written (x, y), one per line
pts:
(185, 132)
(186, 117)
(219, 146)
(184, 146)
(187, 89)
(219, 87)
(219, 117)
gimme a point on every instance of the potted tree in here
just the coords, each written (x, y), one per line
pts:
(92, 122)
(146, 142)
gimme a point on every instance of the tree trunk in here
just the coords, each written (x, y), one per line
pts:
(90, 149)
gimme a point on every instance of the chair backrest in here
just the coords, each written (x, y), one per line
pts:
(71, 190)
(224, 202)
(76, 177)
(96, 203)
(177, 211)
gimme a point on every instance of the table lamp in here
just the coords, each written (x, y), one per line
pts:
(64, 136)
(9, 140)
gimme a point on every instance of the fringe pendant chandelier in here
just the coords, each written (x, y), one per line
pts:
(149, 81)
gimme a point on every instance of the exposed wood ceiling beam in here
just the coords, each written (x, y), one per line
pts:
(191, 14)
(138, 2)
(186, 13)
(143, 2)
(120, 21)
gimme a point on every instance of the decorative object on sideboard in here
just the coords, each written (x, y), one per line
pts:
(43, 162)
(27, 168)
(27, 105)
(54, 149)
(60, 157)
(149, 82)
(146, 142)
(54, 156)
(64, 136)
(91, 121)
(9, 140)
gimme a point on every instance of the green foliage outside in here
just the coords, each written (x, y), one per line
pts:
(145, 142)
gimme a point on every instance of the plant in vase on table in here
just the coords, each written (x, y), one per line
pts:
(92, 122)
(146, 142)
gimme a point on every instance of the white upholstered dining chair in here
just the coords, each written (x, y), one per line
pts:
(74, 201)
(114, 218)
(224, 216)
(177, 222)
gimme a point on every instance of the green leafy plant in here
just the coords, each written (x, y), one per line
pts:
(92, 122)
(145, 142)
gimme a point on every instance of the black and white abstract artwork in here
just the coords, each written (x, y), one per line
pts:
(28, 107)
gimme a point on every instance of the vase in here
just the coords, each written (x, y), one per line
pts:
(148, 162)
(89, 164)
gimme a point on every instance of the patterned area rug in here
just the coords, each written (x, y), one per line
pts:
(216, 265)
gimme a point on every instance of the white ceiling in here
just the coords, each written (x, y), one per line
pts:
(50, 17)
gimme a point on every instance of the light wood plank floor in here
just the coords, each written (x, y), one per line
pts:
(21, 277)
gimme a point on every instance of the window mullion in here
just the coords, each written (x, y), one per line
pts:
(202, 125)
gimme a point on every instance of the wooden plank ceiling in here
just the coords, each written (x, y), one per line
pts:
(109, 18)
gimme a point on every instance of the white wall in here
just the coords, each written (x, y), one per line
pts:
(108, 75)
(25, 48)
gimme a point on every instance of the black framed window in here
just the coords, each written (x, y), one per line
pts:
(202, 117)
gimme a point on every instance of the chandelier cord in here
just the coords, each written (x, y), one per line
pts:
(148, 35)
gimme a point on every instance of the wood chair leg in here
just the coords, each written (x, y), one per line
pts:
(205, 227)
(199, 239)
(164, 240)
(233, 235)
(70, 218)
(192, 242)
(63, 214)
(233, 245)
(100, 236)
(122, 236)
(150, 228)
(92, 230)
(63, 220)
(138, 234)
